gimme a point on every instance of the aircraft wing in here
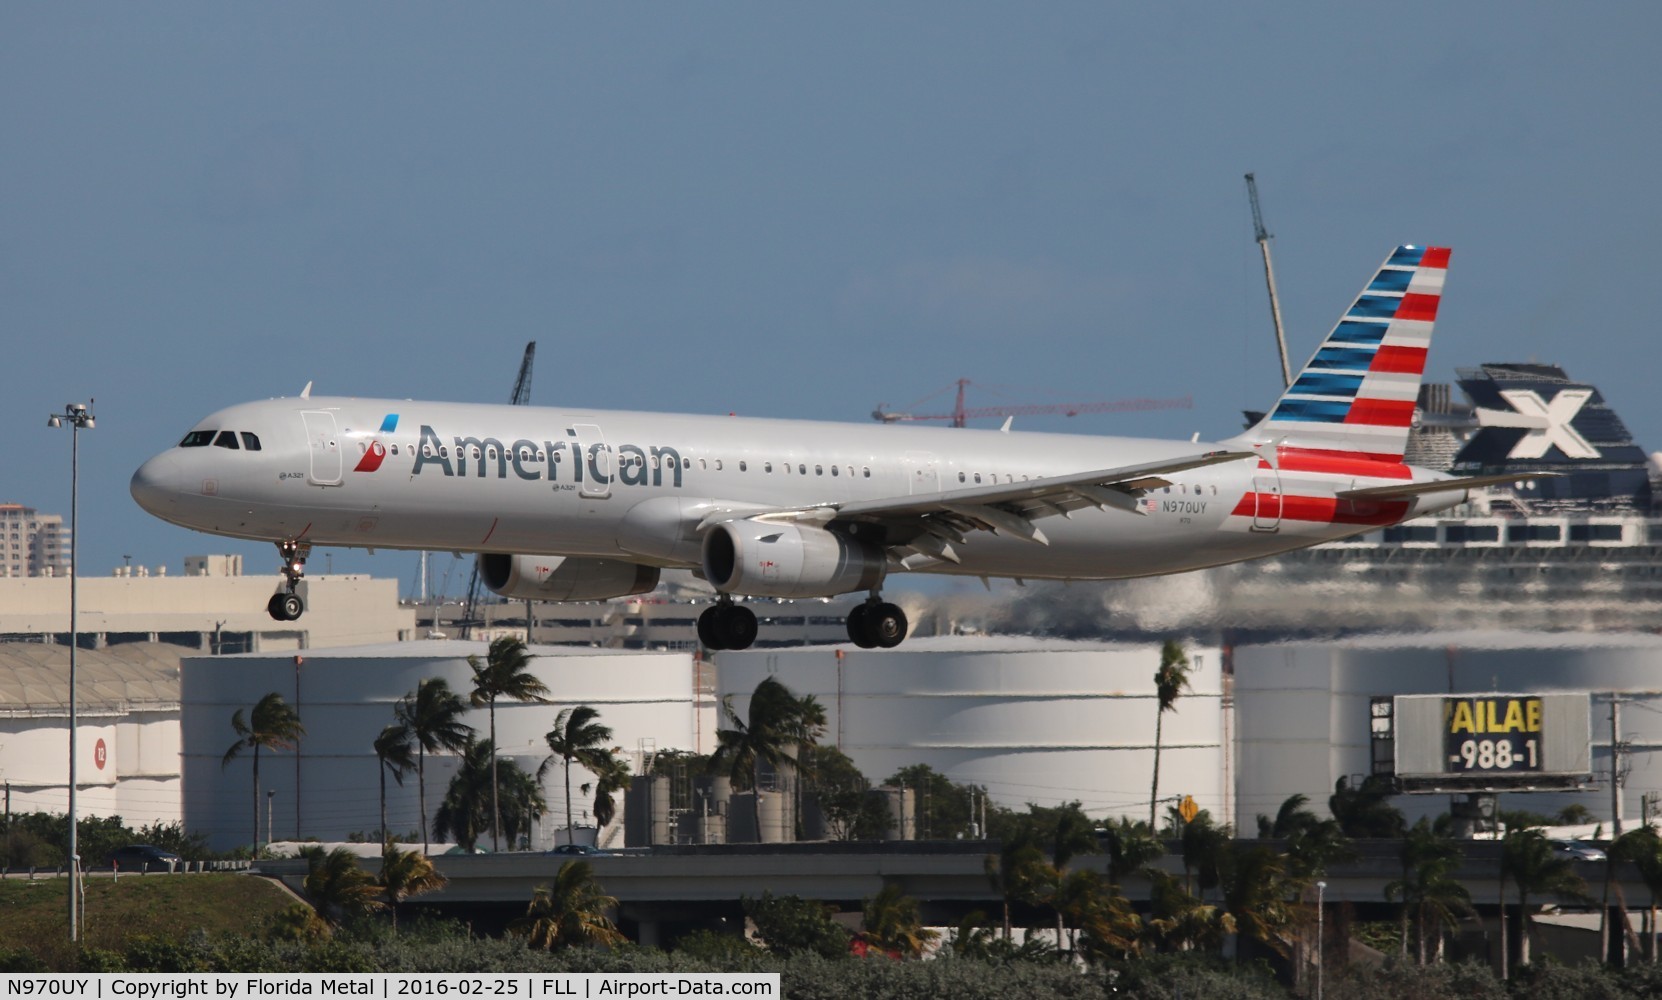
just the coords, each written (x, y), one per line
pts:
(937, 519)
(1404, 490)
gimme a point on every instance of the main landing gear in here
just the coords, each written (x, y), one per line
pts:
(289, 603)
(725, 625)
(876, 623)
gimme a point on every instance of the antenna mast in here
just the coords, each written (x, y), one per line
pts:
(521, 396)
(1263, 237)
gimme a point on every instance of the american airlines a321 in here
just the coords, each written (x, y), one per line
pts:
(580, 505)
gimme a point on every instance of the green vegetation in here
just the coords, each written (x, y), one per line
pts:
(133, 909)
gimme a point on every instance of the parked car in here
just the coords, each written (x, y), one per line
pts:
(580, 850)
(1577, 850)
(141, 858)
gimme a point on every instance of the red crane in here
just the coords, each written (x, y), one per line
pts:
(960, 413)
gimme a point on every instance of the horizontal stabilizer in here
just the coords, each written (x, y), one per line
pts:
(1440, 486)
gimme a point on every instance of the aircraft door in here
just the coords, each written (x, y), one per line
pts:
(1266, 488)
(323, 442)
(596, 462)
(923, 472)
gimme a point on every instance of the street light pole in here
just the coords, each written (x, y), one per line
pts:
(1321, 890)
(78, 416)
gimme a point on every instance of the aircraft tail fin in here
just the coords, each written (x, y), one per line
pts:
(1355, 398)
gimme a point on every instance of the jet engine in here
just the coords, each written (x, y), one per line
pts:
(556, 578)
(775, 559)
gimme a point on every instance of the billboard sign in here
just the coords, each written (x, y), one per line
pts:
(1492, 733)
(1492, 741)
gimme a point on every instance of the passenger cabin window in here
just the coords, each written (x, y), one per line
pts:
(227, 439)
(198, 439)
(250, 441)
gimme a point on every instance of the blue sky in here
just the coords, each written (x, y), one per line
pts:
(784, 210)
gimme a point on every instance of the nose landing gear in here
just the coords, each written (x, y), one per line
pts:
(876, 624)
(289, 603)
(725, 625)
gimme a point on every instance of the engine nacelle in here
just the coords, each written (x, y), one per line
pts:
(556, 578)
(769, 559)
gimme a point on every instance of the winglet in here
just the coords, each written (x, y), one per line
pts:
(306, 393)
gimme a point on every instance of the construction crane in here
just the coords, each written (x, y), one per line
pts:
(521, 396)
(961, 414)
(1263, 237)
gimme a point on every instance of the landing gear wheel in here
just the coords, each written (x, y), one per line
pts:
(285, 607)
(708, 633)
(737, 627)
(887, 624)
(859, 627)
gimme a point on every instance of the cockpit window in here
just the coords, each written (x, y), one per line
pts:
(198, 439)
(227, 439)
(250, 441)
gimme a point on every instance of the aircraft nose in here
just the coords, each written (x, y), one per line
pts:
(156, 484)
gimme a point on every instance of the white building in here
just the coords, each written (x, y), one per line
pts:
(205, 612)
(328, 787)
(1031, 720)
(32, 543)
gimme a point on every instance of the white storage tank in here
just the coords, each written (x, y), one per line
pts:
(1032, 720)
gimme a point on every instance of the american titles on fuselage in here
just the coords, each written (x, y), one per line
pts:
(632, 465)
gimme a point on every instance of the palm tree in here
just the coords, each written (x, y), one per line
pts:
(1528, 860)
(1131, 845)
(337, 887)
(1017, 873)
(271, 725)
(890, 923)
(1643, 847)
(972, 938)
(1169, 682)
(777, 725)
(576, 736)
(464, 812)
(1365, 809)
(502, 675)
(1108, 925)
(612, 777)
(1255, 893)
(396, 755)
(1205, 852)
(405, 874)
(433, 715)
(1428, 889)
(570, 911)
(522, 803)
(1177, 919)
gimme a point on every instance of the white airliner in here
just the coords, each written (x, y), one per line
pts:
(579, 505)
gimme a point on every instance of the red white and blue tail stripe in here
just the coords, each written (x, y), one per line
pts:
(1355, 398)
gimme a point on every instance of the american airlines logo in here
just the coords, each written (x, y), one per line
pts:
(1548, 424)
(376, 453)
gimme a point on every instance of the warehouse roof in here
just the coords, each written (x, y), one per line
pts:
(34, 677)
